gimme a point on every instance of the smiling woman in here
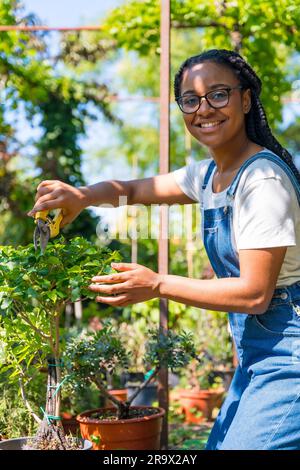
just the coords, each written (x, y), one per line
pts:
(218, 116)
(249, 195)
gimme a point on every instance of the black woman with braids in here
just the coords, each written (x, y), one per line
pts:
(248, 190)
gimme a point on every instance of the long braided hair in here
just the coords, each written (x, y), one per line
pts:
(257, 127)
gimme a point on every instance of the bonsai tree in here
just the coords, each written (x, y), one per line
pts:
(132, 331)
(91, 357)
(34, 291)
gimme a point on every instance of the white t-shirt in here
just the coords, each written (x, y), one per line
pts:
(266, 211)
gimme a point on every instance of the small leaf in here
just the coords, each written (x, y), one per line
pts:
(52, 295)
(53, 260)
(32, 293)
(6, 303)
(43, 272)
(95, 439)
(93, 263)
(61, 294)
(75, 269)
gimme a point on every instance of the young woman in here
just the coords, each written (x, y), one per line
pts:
(249, 195)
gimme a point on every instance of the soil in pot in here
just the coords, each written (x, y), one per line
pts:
(141, 431)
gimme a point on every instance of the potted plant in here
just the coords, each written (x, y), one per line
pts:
(124, 426)
(34, 291)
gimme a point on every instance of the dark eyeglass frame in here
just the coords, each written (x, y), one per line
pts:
(200, 98)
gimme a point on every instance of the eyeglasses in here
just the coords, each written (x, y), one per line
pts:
(217, 99)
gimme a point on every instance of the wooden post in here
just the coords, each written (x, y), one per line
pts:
(188, 212)
(134, 214)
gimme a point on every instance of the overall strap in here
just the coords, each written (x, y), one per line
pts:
(268, 156)
(208, 173)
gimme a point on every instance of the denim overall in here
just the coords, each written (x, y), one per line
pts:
(262, 407)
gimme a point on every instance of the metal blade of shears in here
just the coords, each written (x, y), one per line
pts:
(41, 235)
(46, 228)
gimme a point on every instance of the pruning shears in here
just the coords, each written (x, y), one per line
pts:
(46, 228)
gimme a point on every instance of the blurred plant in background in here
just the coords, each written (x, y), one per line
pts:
(58, 100)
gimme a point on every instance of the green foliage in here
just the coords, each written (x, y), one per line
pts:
(169, 349)
(92, 358)
(291, 137)
(266, 34)
(51, 101)
(15, 419)
(63, 119)
(135, 26)
(211, 328)
(200, 374)
(94, 355)
(133, 332)
(75, 400)
(213, 344)
(187, 437)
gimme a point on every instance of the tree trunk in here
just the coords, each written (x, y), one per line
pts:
(51, 434)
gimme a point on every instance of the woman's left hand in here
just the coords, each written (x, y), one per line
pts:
(134, 283)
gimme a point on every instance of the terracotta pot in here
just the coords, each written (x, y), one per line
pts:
(204, 401)
(119, 394)
(126, 434)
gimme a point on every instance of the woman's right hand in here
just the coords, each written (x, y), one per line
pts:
(53, 194)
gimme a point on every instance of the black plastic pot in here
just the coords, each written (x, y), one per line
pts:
(128, 378)
(18, 443)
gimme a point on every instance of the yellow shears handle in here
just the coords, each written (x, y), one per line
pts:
(53, 224)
